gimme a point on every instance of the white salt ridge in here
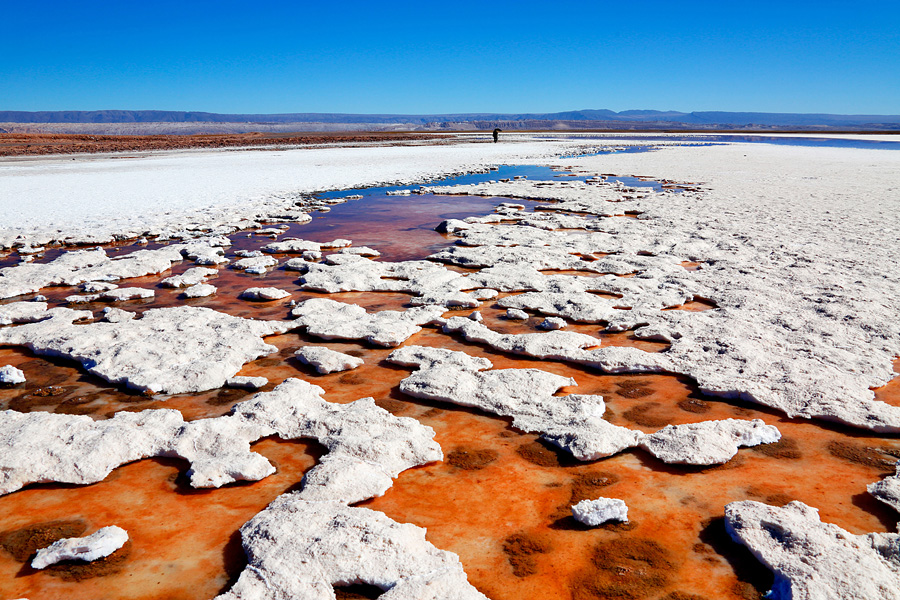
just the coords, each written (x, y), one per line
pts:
(11, 375)
(296, 246)
(201, 290)
(326, 360)
(574, 422)
(301, 549)
(600, 511)
(121, 294)
(250, 383)
(361, 251)
(168, 350)
(812, 560)
(22, 312)
(367, 445)
(255, 263)
(191, 277)
(117, 315)
(263, 294)
(94, 287)
(99, 544)
(516, 314)
(553, 323)
(329, 319)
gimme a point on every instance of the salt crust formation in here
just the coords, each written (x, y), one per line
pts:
(574, 422)
(798, 326)
(22, 312)
(298, 246)
(83, 266)
(119, 294)
(167, 350)
(250, 383)
(302, 549)
(201, 290)
(367, 446)
(330, 319)
(812, 560)
(264, 294)
(600, 511)
(11, 375)
(191, 277)
(99, 544)
(326, 360)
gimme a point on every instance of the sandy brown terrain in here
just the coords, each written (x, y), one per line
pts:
(32, 144)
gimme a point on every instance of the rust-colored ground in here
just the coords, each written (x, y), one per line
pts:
(501, 498)
(34, 144)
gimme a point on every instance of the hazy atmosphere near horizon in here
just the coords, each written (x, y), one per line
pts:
(449, 301)
(420, 57)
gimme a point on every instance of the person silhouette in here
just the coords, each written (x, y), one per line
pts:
(497, 134)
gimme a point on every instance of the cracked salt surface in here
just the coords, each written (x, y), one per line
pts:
(367, 446)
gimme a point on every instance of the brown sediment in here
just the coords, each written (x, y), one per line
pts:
(585, 486)
(633, 388)
(625, 568)
(785, 448)
(639, 415)
(768, 494)
(76, 570)
(520, 549)
(694, 405)
(23, 542)
(861, 455)
(471, 459)
(35, 144)
(543, 454)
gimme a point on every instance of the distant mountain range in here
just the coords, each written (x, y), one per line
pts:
(578, 119)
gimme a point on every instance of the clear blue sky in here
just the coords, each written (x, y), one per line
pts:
(421, 57)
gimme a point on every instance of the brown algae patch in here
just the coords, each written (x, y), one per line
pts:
(471, 459)
(520, 549)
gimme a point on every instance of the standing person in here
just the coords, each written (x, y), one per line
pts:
(497, 134)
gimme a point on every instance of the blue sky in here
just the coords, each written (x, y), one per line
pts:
(419, 57)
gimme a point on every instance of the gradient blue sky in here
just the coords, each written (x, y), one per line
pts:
(419, 57)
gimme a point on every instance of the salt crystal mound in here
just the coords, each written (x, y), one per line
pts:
(99, 544)
(255, 263)
(117, 315)
(367, 445)
(121, 294)
(201, 290)
(93, 287)
(812, 560)
(168, 350)
(600, 511)
(22, 312)
(574, 422)
(326, 360)
(11, 375)
(431, 283)
(191, 277)
(796, 329)
(263, 294)
(298, 246)
(41, 447)
(329, 319)
(302, 549)
(888, 489)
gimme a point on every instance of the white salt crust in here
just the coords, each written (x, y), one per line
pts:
(573, 422)
(167, 350)
(99, 544)
(301, 549)
(330, 319)
(264, 294)
(326, 360)
(367, 446)
(602, 510)
(888, 490)
(812, 560)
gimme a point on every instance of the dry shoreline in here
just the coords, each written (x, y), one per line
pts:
(40, 144)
